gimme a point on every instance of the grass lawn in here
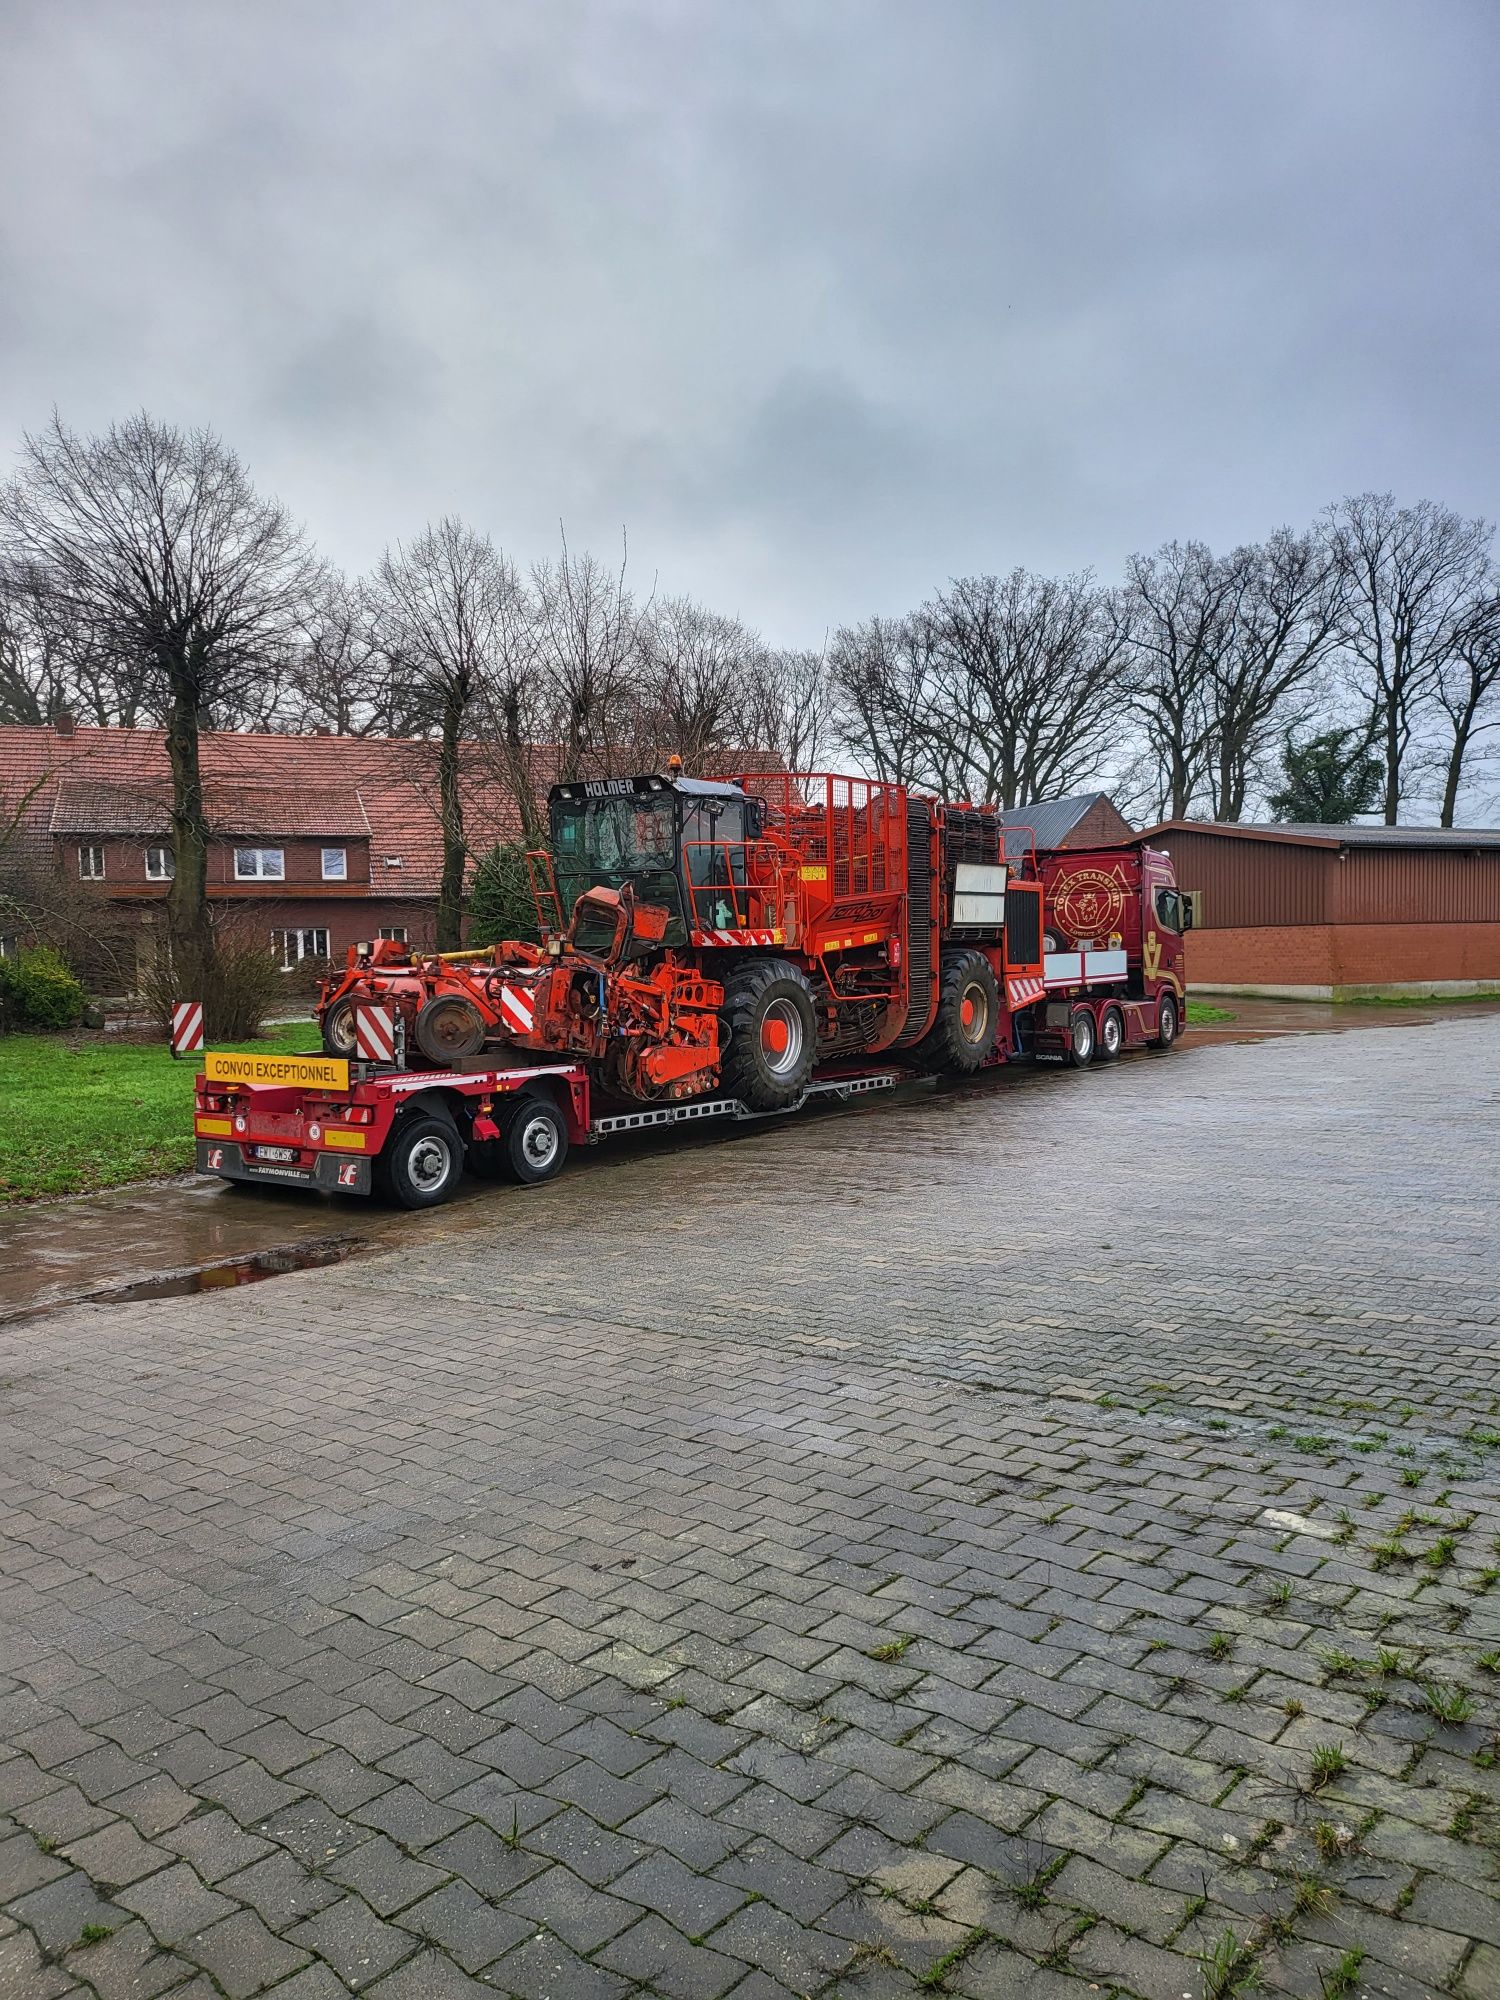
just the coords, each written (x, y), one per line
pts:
(92, 1111)
(1199, 1013)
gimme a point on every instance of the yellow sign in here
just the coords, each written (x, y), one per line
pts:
(315, 1072)
(815, 871)
(352, 1142)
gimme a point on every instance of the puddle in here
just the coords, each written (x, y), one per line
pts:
(280, 1262)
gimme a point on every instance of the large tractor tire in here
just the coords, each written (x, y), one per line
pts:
(449, 1028)
(968, 1016)
(770, 1029)
(338, 1030)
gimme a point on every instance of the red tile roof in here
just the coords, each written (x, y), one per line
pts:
(340, 784)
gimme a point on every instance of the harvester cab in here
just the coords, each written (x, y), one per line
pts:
(677, 844)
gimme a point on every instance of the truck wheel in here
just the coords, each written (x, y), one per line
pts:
(449, 1028)
(1111, 1034)
(338, 1029)
(422, 1161)
(535, 1140)
(968, 1010)
(1082, 1038)
(1168, 1022)
(770, 1031)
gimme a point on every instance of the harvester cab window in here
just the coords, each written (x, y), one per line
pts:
(713, 839)
(605, 843)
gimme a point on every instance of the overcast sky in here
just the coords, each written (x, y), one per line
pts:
(824, 302)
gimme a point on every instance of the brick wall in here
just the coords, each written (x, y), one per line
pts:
(1322, 961)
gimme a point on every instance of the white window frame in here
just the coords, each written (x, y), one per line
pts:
(257, 870)
(340, 871)
(292, 945)
(90, 851)
(394, 934)
(166, 870)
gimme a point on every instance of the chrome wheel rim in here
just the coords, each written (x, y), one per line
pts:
(1083, 1035)
(430, 1164)
(1112, 1035)
(539, 1142)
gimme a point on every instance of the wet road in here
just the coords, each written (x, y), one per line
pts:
(59, 1250)
(1004, 1542)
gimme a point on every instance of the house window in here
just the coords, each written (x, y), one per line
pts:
(393, 933)
(335, 864)
(291, 947)
(259, 864)
(160, 865)
(91, 863)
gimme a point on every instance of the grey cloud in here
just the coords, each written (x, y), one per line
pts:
(823, 302)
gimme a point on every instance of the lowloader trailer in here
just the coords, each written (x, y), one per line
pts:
(735, 950)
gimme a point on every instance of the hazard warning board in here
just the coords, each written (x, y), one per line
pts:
(187, 1027)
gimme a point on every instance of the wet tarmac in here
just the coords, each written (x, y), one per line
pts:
(162, 1238)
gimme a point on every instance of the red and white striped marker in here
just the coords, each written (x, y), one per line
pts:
(374, 1033)
(187, 1028)
(518, 1009)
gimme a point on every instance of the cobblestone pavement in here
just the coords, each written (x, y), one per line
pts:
(1034, 1541)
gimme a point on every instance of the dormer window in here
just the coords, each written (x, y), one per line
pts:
(335, 864)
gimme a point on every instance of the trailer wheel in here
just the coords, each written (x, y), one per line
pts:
(422, 1160)
(1111, 1034)
(449, 1028)
(770, 1030)
(1083, 1038)
(1168, 1022)
(968, 1011)
(535, 1140)
(338, 1029)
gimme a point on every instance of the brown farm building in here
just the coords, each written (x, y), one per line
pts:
(1338, 912)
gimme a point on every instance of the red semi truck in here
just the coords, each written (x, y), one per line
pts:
(711, 948)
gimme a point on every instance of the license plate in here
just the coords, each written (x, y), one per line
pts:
(276, 1152)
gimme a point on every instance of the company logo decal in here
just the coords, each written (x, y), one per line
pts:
(1089, 902)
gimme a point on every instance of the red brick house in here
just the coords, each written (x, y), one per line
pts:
(315, 840)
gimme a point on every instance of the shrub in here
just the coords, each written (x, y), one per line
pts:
(37, 990)
(242, 986)
(500, 900)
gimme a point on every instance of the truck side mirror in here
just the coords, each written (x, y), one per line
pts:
(1192, 909)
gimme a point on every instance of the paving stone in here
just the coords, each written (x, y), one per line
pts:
(60, 1911)
(127, 1965)
(543, 1969)
(666, 1964)
(583, 1917)
(174, 1903)
(24, 1866)
(281, 1889)
(691, 1902)
(214, 1844)
(242, 1955)
(466, 1926)
(383, 1875)
(358, 1945)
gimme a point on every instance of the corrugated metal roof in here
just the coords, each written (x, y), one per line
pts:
(1437, 837)
(1052, 820)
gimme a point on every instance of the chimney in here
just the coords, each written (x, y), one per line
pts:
(62, 722)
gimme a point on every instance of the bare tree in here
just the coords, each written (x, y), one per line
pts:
(692, 665)
(443, 603)
(587, 657)
(336, 677)
(1468, 689)
(154, 541)
(1407, 571)
(884, 682)
(1182, 605)
(1028, 696)
(783, 707)
(1286, 597)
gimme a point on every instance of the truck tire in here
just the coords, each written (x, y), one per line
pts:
(338, 1030)
(1111, 1034)
(770, 1033)
(535, 1141)
(449, 1028)
(1083, 1038)
(422, 1161)
(1168, 1025)
(968, 1013)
